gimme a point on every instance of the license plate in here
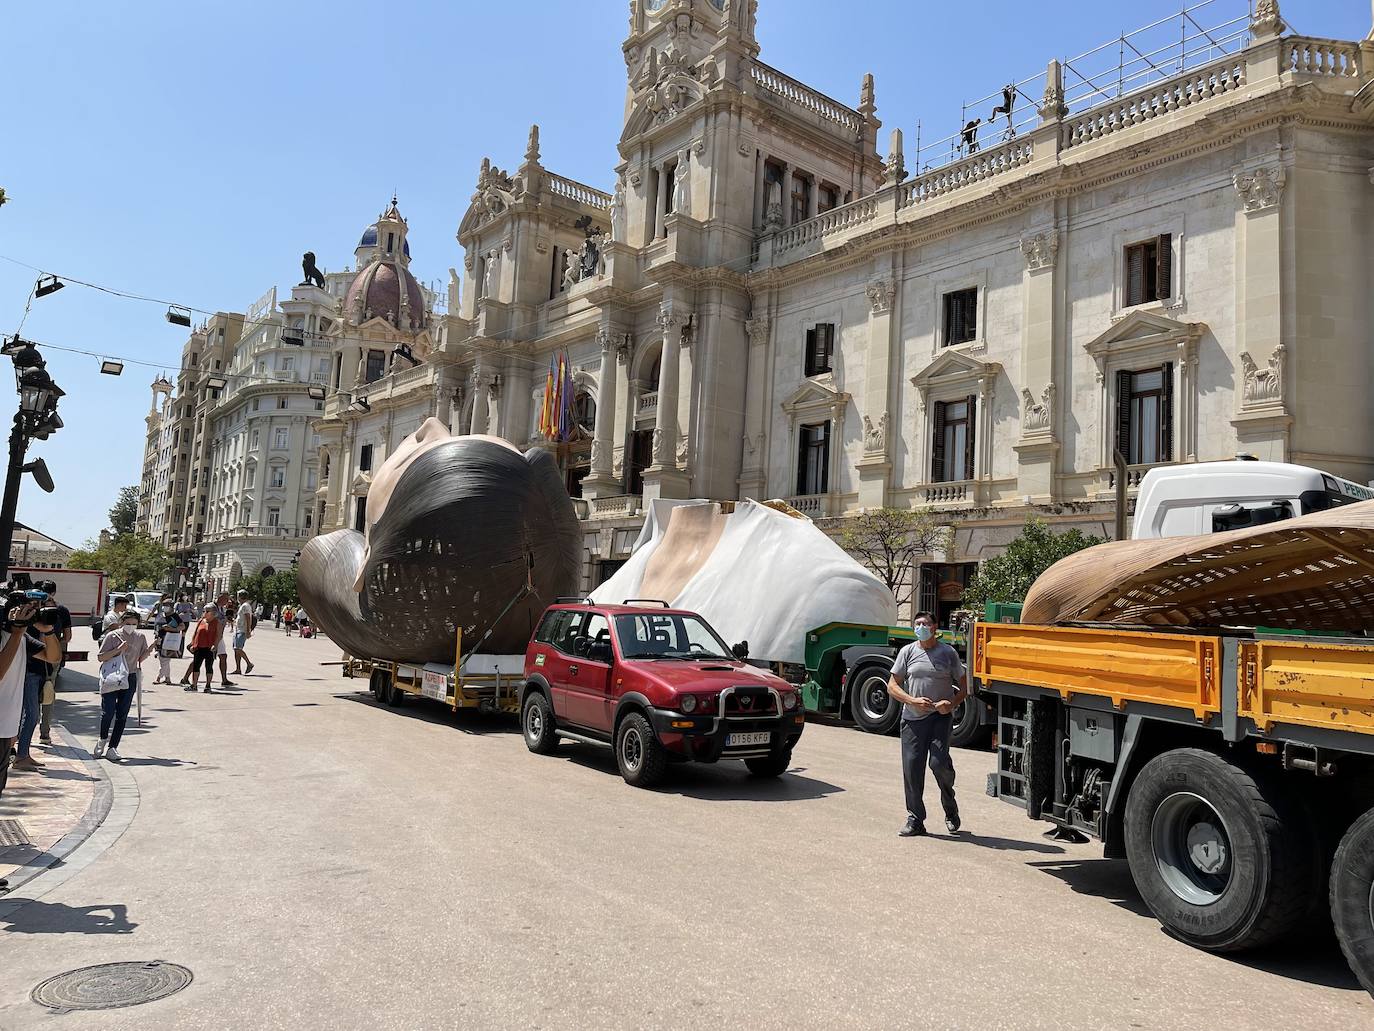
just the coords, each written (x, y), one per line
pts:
(741, 740)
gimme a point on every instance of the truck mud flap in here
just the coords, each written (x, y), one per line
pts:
(1025, 753)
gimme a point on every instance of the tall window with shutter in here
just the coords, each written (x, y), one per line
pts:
(961, 316)
(1149, 270)
(1145, 415)
(813, 459)
(820, 348)
(952, 440)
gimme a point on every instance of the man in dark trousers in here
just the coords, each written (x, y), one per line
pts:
(930, 681)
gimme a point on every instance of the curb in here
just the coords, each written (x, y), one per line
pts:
(113, 805)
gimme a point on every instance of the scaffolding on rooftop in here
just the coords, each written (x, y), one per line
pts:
(1160, 50)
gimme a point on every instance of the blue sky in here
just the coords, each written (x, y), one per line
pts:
(194, 151)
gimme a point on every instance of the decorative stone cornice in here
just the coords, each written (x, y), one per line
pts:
(1040, 250)
(1261, 189)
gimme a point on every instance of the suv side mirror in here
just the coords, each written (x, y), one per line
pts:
(600, 651)
(741, 651)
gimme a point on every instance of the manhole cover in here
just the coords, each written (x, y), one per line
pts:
(12, 833)
(109, 986)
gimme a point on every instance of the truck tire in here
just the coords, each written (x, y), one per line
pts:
(536, 720)
(640, 755)
(966, 729)
(873, 709)
(374, 685)
(1224, 861)
(395, 697)
(769, 765)
(1352, 898)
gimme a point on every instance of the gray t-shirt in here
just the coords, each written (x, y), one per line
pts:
(934, 673)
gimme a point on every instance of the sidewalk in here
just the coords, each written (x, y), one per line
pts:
(41, 807)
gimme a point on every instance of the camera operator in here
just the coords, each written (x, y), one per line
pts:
(20, 614)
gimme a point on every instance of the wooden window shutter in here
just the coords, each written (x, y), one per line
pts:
(937, 444)
(801, 459)
(1135, 275)
(1166, 414)
(1164, 266)
(811, 352)
(970, 436)
(828, 361)
(1123, 414)
(971, 315)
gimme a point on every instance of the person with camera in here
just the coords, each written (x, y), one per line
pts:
(21, 612)
(63, 626)
(38, 675)
(122, 651)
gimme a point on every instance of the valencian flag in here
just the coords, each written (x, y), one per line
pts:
(556, 415)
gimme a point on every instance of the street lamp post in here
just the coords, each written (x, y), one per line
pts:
(36, 419)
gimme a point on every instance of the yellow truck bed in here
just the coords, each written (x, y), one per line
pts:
(1302, 682)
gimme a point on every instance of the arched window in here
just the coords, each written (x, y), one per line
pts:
(584, 412)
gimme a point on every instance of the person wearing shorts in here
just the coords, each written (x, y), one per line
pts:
(243, 629)
(206, 635)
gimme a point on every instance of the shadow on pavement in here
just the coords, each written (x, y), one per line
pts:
(1318, 964)
(153, 760)
(1108, 879)
(1001, 844)
(728, 781)
(427, 711)
(55, 918)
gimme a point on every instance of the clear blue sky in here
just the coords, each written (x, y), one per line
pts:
(193, 151)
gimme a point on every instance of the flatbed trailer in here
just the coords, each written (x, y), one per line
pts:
(475, 683)
(1234, 771)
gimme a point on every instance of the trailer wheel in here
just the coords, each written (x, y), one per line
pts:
(536, 718)
(873, 709)
(1352, 898)
(639, 753)
(376, 683)
(1224, 861)
(966, 729)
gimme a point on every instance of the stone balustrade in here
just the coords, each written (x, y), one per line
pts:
(985, 164)
(578, 193)
(1326, 57)
(616, 507)
(800, 95)
(813, 506)
(947, 493)
(647, 403)
(1193, 87)
(836, 220)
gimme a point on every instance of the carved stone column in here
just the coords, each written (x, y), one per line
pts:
(1262, 421)
(662, 478)
(875, 467)
(1037, 448)
(760, 188)
(601, 482)
(481, 401)
(754, 465)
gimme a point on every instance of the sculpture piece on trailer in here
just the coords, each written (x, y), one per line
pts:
(457, 530)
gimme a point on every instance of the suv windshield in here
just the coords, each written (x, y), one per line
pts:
(147, 599)
(654, 635)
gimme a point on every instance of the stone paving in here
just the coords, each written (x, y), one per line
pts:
(48, 803)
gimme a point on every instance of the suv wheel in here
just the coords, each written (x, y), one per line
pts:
(537, 720)
(639, 754)
(770, 765)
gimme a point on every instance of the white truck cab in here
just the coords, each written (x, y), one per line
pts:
(1209, 497)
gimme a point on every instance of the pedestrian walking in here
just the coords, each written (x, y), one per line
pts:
(13, 671)
(276, 616)
(168, 638)
(41, 660)
(63, 626)
(122, 652)
(186, 612)
(204, 639)
(243, 629)
(115, 617)
(289, 618)
(226, 616)
(930, 681)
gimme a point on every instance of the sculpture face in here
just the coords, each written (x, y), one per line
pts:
(456, 529)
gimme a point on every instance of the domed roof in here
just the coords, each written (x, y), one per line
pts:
(369, 239)
(376, 291)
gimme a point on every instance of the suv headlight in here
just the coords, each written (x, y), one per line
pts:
(688, 703)
(790, 700)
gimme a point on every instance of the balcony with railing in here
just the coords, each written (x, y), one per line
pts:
(781, 87)
(953, 492)
(647, 404)
(813, 506)
(578, 193)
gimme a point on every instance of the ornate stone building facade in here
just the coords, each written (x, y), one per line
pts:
(765, 306)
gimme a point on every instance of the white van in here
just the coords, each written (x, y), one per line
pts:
(1208, 497)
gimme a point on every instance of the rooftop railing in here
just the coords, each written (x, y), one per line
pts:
(578, 193)
(798, 94)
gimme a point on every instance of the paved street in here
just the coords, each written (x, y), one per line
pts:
(321, 862)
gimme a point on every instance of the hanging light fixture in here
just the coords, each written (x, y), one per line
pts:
(111, 367)
(178, 316)
(403, 351)
(360, 405)
(316, 392)
(47, 285)
(216, 382)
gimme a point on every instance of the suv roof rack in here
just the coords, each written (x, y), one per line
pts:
(572, 599)
(646, 601)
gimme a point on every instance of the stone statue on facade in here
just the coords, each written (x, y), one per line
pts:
(875, 434)
(1265, 385)
(773, 216)
(618, 228)
(571, 267)
(313, 275)
(1037, 414)
(682, 184)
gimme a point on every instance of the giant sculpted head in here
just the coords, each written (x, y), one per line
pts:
(456, 527)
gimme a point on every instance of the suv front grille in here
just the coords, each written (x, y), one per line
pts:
(750, 701)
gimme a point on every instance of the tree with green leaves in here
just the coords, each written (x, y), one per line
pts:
(1008, 576)
(890, 542)
(129, 559)
(124, 513)
(280, 588)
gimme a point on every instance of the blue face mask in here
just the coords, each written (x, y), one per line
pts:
(924, 633)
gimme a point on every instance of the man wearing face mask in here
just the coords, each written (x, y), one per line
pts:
(930, 681)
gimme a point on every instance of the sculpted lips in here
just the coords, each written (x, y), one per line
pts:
(456, 529)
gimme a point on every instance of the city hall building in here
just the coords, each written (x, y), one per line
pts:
(763, 305)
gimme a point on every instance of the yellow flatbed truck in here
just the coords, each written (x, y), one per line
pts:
(477, 683)
(1235, 773)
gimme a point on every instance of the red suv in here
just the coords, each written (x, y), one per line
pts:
(656, 684)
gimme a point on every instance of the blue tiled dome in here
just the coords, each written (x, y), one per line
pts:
(370, 239)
